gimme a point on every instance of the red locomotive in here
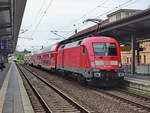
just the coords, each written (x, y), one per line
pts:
(95, 60)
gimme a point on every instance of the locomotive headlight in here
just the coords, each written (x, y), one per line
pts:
(97, 75)
(121, 74)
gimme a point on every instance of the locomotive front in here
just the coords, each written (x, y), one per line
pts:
(105, 60)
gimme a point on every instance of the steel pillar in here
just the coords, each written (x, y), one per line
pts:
(133, 56)
(138, 53)
(6, 58)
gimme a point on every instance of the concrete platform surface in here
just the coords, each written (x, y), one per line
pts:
(139, 76)
(138, 80)
(3, 74)
(141, 82)
(13, 96)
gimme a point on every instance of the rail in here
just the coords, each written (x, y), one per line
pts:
(67, 98)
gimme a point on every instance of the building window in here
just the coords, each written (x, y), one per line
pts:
(127, 60)
(144, 59)
(140, 59)
(126, 14)
(130, 60)
(118, 16)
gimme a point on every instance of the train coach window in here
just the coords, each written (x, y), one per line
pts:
(47, 61)
(43, 61)
(38, 57)
(52, 55)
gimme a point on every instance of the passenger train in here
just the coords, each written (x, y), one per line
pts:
(95, 60)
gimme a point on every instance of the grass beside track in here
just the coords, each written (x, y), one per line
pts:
(138, 91)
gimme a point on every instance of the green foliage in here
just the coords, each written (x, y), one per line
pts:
(20, 54)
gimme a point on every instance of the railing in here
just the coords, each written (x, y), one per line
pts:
(139, 69)
(127, 68)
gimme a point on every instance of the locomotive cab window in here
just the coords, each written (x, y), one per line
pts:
(104, 49)
(85, 50)
(79, 42)
(61, 47)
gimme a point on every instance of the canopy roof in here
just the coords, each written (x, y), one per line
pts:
(11, 13)
(137, 26)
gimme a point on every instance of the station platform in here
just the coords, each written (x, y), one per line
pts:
(13, 96)
(138, 81)
(3, 74)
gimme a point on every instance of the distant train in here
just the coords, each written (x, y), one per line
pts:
(95, 60)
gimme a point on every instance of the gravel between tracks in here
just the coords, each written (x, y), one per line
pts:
(56, 103)
(34, 100)
(96, 102)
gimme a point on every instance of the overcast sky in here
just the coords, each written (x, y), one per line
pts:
(43, 16)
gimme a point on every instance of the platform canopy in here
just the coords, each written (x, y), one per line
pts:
(11, 13)
(137, 26)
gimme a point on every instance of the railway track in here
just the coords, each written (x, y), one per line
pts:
(141, 102)
(36, 104)
(138, 102)
(53, 100)
(146, 98)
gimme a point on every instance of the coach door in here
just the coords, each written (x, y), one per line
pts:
(84, 57)
(62, 58)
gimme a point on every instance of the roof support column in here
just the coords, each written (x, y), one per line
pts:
(138, 53)
(133, 45)
(6, 58)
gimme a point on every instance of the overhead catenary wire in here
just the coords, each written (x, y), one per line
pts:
(38, 14)
(119, 6)
(98, 6)
(37, 25)
(101, 5)
(39, 11)
(84, 15)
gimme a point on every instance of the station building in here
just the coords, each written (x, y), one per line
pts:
(121, 13)
(144, 53)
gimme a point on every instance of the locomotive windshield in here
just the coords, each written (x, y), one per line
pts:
(104, 49)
